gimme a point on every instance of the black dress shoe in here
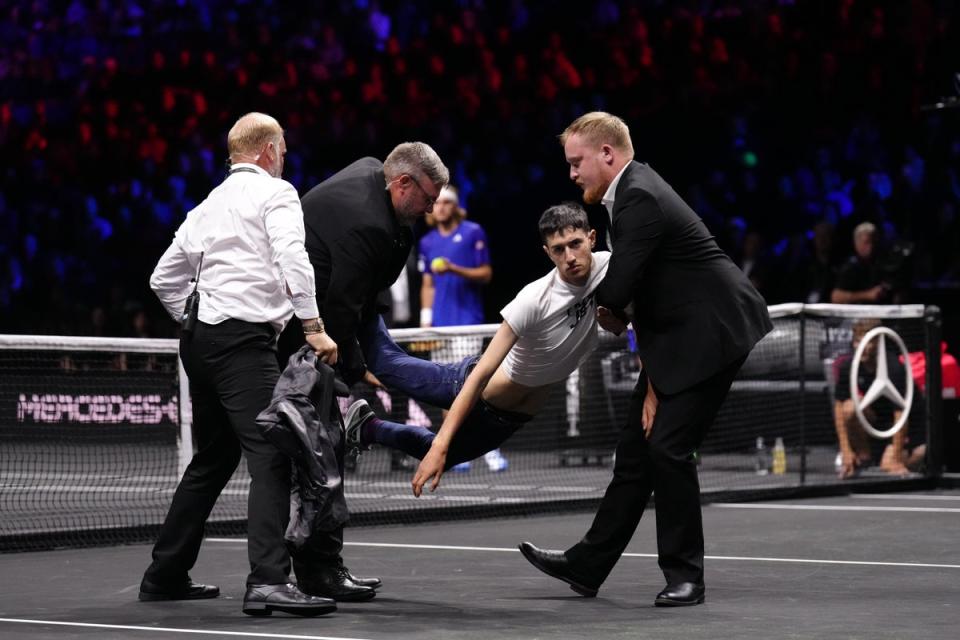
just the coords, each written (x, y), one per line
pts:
(683, 594)
(556, 565)
(373, 583)
(336, 583)
(264, 599)
(187, 590)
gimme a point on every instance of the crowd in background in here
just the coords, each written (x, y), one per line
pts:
(783, 124)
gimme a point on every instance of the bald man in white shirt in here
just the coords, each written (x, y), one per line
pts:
(244, 246)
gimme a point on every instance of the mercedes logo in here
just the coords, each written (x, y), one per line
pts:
(881, 385)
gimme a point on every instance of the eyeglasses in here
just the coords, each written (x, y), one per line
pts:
(430, 200)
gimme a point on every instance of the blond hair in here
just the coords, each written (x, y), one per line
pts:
(449, 192)
(251, 132)
(599, 128)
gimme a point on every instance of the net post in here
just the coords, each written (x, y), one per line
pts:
(185, 440)
(803, 396)
(933, 323)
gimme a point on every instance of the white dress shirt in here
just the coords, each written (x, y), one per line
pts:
(255, 267)
(609, 196)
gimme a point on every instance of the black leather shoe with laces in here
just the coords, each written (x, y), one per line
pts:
(264, 599)
(336, 583)
(373, 583)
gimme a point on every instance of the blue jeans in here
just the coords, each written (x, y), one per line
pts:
(485, 427)
(424, 381)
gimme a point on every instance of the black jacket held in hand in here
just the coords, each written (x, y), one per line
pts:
(304, 422)
(694, 312)
(357, 248)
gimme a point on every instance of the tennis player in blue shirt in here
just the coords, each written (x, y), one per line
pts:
(455, 263)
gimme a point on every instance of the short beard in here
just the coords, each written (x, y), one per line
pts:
(407, 217)
(594, 196)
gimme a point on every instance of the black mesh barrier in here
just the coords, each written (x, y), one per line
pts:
(91, 447)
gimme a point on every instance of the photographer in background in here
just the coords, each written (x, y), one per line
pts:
(868, 278)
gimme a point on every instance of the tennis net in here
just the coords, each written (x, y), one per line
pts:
(96, 432)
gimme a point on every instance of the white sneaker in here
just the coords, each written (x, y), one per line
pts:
(496, 461)
(463, 467)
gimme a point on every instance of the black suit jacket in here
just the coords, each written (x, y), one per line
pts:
(357, 248)
(694, 312)
(385, 298)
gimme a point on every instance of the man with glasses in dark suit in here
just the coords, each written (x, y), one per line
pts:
(358, 237)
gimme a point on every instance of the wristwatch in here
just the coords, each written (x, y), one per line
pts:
(313, 326)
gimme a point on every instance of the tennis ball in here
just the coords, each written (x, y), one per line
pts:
(438, 265)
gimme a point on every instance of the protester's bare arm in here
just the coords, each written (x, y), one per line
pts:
(431, 467)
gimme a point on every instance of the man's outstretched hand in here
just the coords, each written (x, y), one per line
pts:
(610, 322)
(431, 468)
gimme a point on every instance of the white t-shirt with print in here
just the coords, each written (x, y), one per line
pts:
(556, 323)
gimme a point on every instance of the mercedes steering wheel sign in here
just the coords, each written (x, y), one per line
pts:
(881, 386)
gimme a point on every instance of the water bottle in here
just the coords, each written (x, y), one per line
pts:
(779, 458)
(761, 458)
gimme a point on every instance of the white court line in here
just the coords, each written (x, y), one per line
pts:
(81, 488)
(894, 496)
(446, 547)
(409, 497)
(482, 487)
(210, 632)
(829, 507)
(385, 483)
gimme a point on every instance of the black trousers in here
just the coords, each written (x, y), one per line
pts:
(233, 369)
(663, 465)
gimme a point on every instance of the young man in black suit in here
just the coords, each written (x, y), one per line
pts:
(358, 237)
(696, 319)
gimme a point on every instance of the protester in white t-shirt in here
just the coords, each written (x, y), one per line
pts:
(548, 330)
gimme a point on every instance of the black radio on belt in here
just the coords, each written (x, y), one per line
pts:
(188, 320)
